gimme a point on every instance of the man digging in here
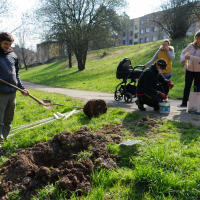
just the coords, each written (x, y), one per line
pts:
(152, 87)
(9, 73)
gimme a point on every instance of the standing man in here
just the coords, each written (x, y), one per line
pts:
(9, 73)
(149, 92)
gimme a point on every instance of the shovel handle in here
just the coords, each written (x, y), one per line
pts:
(17, 88)
(35, 99)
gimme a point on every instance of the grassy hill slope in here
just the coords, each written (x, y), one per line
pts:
(100, 72)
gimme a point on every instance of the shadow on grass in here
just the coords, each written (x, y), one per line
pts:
(84, 120)
(73, 72)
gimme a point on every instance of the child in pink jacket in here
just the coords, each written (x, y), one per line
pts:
(191, 53)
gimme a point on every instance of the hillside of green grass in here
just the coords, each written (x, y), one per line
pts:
(100, 72)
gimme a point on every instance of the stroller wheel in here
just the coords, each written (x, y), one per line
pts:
(128, 97)
(118, 96)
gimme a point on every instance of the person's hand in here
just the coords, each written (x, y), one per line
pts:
(163, 96)
(170, 84)
(187, 57)
(25, 92)
(145, 65)
(183, 62)
(194, 43)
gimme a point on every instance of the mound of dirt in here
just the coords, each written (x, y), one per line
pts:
(56, 161)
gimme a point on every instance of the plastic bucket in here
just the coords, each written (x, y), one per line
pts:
(164, 107)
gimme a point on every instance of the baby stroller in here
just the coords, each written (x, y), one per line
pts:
(125, 71)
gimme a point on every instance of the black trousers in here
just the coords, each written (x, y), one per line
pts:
(189, 77)
(153, 100)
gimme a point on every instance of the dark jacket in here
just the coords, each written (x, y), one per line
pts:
(9, 71)
(149, 80)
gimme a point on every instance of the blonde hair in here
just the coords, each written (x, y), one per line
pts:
(197, 34)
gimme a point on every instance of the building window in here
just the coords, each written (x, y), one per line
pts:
(124, 42)
(142, 22)
(124, 34)
(147, 30)
(154, 38)
(141, 40)
(130, 41)
(136, 35)
(131, 33)
(155, 29)
(136, 27)
(146, 39)
(164, 37)
(147, 20)
(141, 31)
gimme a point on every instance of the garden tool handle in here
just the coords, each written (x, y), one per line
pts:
(35, 98)
(17, 88)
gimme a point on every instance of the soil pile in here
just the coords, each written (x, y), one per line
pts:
(56, 161)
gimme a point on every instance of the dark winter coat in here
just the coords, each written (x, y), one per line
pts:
(9, 71)
(149, 80)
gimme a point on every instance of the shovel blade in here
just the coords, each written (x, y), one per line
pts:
(47, 104)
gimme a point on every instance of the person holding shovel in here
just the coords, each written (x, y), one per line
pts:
(148, 90)
(9, 73)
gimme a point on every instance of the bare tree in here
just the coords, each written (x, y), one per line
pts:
(25, 55)
(195, 6)
(3, 6)
(175, 18)
(79, 20)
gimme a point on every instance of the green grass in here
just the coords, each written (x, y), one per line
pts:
(100, 72)
(164, 166)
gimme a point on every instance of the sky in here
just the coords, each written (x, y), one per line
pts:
(136, 8)
(139, 8)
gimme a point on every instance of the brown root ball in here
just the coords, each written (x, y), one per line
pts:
(94, 107)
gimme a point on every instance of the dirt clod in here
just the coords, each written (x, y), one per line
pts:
(94, 107)
(107, 163)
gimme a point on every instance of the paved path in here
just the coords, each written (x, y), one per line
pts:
(176, 113)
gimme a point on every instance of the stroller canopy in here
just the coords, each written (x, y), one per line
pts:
(123, 63)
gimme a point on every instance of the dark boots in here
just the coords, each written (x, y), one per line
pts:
(140, 105)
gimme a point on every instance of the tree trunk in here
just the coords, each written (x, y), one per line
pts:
(81, 54)
(81, 63)
(70, 56)
(70, 59)
(24, 60)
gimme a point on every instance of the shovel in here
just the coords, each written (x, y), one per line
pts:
(45, 103)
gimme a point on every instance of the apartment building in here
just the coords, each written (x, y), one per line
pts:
(142, 30)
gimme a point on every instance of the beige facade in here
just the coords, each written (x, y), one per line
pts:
(49, 50)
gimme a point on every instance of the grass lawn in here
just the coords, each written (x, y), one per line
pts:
(100, 72)
(164, 166)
